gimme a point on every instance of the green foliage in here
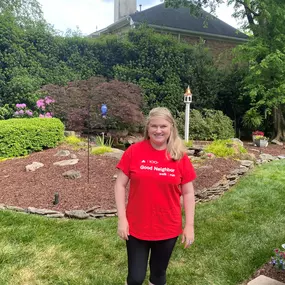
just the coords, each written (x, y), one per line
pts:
(6, 112)
(73, 140)
(100, 141)
(22, 136)
(207, 125)
(221, 148)
(101, 150)
(162, 66)
(252, 119)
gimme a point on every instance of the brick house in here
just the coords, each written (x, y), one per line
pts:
(218, 36)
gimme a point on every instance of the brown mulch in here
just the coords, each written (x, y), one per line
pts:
(37, 189)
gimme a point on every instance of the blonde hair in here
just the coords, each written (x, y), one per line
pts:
(175, 145)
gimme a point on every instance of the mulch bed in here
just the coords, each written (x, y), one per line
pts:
(37, 189)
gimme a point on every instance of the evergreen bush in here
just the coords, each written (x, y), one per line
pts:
(22, 136)
(207, 125)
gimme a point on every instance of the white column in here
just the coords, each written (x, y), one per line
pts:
(187, 117)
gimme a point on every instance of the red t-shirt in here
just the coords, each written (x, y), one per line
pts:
(153, 209)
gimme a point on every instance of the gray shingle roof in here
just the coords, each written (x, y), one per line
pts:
(182, 19)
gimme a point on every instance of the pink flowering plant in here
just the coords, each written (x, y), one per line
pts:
(44, 105)
(279, 259)
(22, 111)
(258, 133)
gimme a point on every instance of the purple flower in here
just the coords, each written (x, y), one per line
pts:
(49, 100)
(21, 106)
(21, 112)
(16, 113)
(29, 113)
(40, 103)
(48, 115)
(41, 116)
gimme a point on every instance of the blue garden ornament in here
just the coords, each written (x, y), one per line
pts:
(104, 110)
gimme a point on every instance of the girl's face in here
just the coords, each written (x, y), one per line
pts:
(159, 131)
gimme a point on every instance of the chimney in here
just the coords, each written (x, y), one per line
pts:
(124, 8)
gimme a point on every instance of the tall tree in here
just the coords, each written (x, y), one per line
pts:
(26, 12)
(264, 53)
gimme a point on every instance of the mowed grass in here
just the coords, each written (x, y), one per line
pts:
(235, 235)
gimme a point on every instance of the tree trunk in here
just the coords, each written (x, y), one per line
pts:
(279, 124)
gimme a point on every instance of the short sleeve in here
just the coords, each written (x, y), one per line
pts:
(125, 162)
(187, 171)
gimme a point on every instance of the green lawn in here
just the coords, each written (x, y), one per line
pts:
(234, 236)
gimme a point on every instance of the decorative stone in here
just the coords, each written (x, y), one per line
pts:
(277, 142)
(281, 156)
(111, 211)
(237, 141)
(73, 156)
(34, 166)
(62, 153)
(247, 163)
(267, 157)
(97, 215)
(77, 214)
(17, 209)
(93, 208)
(2, 207)
(232, 176)
(69, 133)
(71, 174)
(66, 162)
(59, 215)
(43, 212)
(264, 280)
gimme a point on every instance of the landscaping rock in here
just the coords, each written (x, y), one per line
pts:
(73, 156)
(277, 142)
(77, 214)
(69, 133)
(111, 211)
(93, 208)
(237, 141)
(66, 162)
(267, 157)
(116, 153)
(247, 163)
(63, 153)
(34, 166)
(97, 216)
(17, 209)
(71, 174)
(264, 280)
(59, 215)
(2, 207)
(43, 212)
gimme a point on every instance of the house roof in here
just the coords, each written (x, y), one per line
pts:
(181, 19)
(178, 20)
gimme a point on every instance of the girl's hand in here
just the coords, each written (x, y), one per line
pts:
(188, 236)
(123, 228)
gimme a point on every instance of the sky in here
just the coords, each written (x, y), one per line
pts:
(92, 15)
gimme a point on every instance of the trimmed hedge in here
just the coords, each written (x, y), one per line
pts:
(22, 136)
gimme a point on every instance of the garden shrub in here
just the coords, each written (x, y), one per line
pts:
(22, 136)
(73, 140)
(225, 148)
(101, 150)
(207, 125)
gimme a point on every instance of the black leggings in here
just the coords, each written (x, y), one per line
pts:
(138, 252)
